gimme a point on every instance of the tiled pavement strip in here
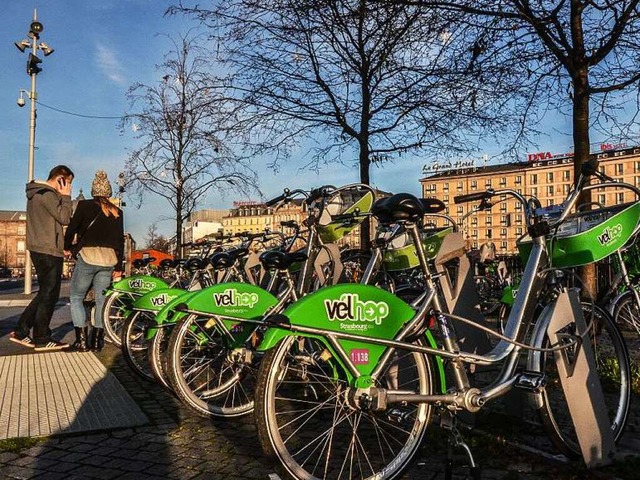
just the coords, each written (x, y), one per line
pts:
(176, 444)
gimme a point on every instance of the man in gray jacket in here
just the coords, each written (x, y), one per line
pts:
(49, 208)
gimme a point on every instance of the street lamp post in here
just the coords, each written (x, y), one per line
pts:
(35, 29)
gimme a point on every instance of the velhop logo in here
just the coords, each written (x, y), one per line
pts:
(140, 284)
(162, 299)
(233, 298)
(349, 308)
(610, 234)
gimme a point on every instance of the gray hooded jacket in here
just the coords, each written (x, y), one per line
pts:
(47, 213)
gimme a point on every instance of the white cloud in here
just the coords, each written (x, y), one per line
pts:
(110, 65)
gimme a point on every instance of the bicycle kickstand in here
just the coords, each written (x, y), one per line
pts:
(448, 422)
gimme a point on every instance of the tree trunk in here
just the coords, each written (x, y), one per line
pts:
(582, 147)
(365, 164)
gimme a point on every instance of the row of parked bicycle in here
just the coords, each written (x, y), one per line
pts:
(347, 357)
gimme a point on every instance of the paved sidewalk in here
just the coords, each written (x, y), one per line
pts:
(177, 444)
(54, 393)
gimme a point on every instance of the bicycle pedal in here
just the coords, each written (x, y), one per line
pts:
(531, 381)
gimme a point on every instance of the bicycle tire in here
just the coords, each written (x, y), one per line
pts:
(135, 346)
(626, 313)
(314, 433)
(203, 373)
(114, 314)
(614, 371)
(158, 357)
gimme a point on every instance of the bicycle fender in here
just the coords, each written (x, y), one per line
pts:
(167, 313)
(508, 295)
(157, 299)
(361, 310)
(138, 284)
(232, 299)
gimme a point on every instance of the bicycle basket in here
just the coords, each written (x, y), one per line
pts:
(402, 255)
(588, 237)
(342, 202)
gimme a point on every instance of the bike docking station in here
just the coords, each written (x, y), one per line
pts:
(581, 385)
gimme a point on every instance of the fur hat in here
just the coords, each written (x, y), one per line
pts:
(101, 186)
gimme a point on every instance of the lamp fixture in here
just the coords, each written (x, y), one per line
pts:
(22, 45)
(46, 49)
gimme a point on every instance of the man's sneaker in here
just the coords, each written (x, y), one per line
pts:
(25, 341)
(52, 346)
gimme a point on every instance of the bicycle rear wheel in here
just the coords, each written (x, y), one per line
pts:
(627, 313)
(205, 374)
(613, 367)
(117, 307)
(308, 418)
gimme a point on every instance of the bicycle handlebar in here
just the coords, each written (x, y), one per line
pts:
(472, 197)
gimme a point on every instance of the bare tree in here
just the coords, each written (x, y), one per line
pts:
(181, 123)
(156, 240)
(569, 54)
(346, 78)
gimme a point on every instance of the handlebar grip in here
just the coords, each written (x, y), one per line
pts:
(289, 223)
(472, 197)
(273, 201)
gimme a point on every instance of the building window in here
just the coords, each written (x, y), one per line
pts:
(503, 220)
(534, 178)
(503, 207)
(489, 233)
(534, 191)
(620, 196)
(550, 190)
(20, 246)
(503, 182)
(474, 184)
(445, 198)
(503, 232)
(519, 219)
(619, 169)
(637, 166)
(503, 245)
(518, 206)
(488, 221)
(475, 234)
(474, 221)
(460, 209)
(487, 183)
(566, 175)
(518, 231)
(445, 187)
(459, 186)
(602, 199)
(518, 179)
(549, 202)
(549, 177)
(22, 229)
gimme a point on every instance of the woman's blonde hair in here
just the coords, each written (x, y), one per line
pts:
(108, 208)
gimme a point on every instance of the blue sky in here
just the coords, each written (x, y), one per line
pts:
(101, 48)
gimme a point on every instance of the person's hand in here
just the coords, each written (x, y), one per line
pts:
(67, 254)
(64, 186)
(116, 276)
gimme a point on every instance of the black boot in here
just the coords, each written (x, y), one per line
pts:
(97, 339)
(80, 345)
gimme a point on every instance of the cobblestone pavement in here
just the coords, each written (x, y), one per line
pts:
(177, 444)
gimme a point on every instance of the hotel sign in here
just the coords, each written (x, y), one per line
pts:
(436, 167)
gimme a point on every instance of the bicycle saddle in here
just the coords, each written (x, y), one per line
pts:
(275, 259)
(221, 260)
(167, 263)
(432, 205)
(236, 253)
(398, 207)
(194, 264)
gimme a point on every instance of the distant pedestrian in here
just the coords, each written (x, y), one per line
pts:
(49, 208)
(98, 230)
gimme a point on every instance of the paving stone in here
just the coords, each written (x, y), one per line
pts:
(6, 457)
(22, 473)
(88, 471)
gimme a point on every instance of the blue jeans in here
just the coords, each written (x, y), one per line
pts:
(85, 275)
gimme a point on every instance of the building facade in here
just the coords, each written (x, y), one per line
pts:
(545, 176)
(13, 240)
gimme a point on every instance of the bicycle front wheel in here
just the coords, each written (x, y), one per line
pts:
(117, 307)
(135, 346)
(613, 368)
(205, 374)
(158, 357)
(627, 313)
(317, 426)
